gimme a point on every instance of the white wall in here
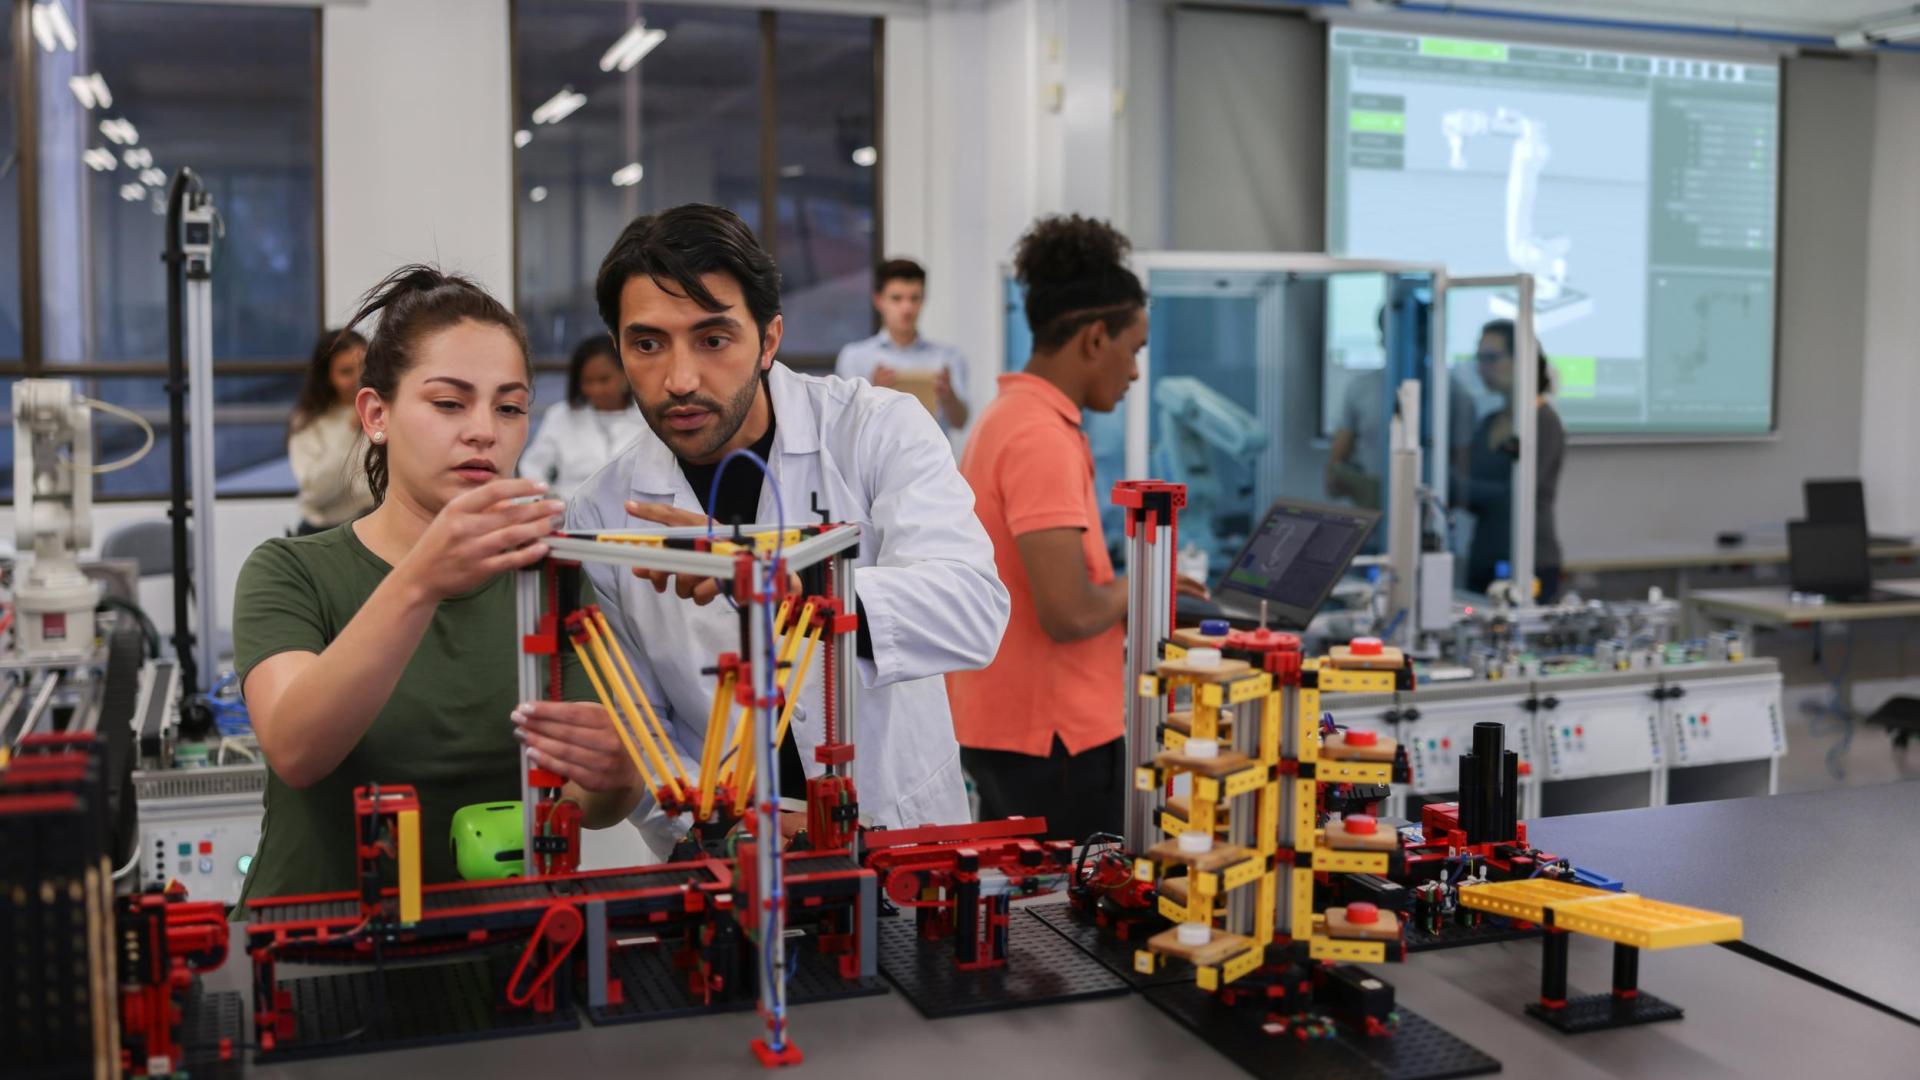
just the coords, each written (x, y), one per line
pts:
(1891, 386)
(416, 143)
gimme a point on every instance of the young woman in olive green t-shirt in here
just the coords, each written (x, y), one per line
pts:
(383, 650)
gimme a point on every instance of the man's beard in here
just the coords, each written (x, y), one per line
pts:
(728, 418)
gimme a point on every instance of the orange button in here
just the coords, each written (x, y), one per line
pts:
(1363, 913)
(1365, 646)
(1360, 824)
(1362, 738)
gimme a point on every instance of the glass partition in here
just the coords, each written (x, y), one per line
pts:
(1482, 340)
(1273, 377)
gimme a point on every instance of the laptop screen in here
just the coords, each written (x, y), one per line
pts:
(1829, 558)
(1842, 502)
(1296, 555)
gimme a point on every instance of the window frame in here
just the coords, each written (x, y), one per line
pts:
(32, 363)
(769, 234)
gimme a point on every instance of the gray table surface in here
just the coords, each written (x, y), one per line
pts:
(1823, 880)
(1743, 1019)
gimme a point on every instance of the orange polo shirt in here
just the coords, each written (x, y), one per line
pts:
(1031, 469)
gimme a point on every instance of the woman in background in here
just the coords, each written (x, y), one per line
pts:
(582, 433)
(323, 435)
(1490, 470)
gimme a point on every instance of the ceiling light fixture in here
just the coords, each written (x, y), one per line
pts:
(100, 159)
(632, 47)
(866, 157)
(559, 106)
(521, 138)
(628, 175)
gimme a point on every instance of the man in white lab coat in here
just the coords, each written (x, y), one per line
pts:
(692, 300)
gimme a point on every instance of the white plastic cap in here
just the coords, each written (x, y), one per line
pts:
(1202, 748)
(1196, 841)
(1203, 658)
(1194, 933)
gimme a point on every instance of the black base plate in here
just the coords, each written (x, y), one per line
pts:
(653, 989)
(1455, 935)
(1601, 1012)
(1042, 967)
(206, 1019)
(1114, 954)
(424, 1005)
(1417, 1049)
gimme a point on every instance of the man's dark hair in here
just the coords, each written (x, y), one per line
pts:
(898, 270)
(676, 248)
(1503, 329)
(1075, 271)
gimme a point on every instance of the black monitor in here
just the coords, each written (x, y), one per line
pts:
(1295, 556)
(1836, 502)
(1828, 558)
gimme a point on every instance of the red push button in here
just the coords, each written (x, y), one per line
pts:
(1525, 769)
(1360, 824)
(1363, 913)
(1703, 718)
(1365, 646)
(206, 847)
(1581, 731)
(1362, 738)
(1446, 744)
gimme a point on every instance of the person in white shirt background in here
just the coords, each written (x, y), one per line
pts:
(323, 435)
(584, 432)
(899, 292)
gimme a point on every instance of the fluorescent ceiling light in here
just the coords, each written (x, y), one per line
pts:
(1898, 32)
(132, 192)
(153, 177)
(559, 106)
(1852, 39)
(137, 158)
(632, 47)
(538, 194)
(792, 172)
(521, 138)
(91, 91)
(628, 175)
(120, 131)
(866, 157)
(100, 159)
(51, 26)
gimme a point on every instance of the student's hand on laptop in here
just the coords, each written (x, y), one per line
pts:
(700, 590)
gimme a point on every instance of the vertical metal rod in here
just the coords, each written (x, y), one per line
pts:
(846, 681)
(1150, 619)
(200, 405)
(1243, 816)
(1526, 428)
(768, 866)
(526, 600)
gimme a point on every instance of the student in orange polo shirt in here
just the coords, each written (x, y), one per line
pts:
(1041, 728)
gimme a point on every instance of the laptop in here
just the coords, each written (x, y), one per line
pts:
(1844, 502)
(1830, 559)
(1295, 557)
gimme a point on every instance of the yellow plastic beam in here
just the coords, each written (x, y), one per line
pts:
(407, 840)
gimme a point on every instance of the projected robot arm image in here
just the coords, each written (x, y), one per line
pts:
(1545, 257)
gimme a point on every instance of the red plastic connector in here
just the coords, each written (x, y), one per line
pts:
(774, 1059)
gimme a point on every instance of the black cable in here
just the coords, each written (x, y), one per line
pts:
(148, 630)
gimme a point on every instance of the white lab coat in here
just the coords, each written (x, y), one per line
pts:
(574, 442)
(925, 577)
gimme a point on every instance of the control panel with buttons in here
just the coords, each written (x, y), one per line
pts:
(1434, 745)
(1710, 721)
(1603, 732)
(210, 858)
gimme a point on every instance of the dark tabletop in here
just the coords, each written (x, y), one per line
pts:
(1825, 881)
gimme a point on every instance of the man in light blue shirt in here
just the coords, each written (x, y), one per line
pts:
(898, 357)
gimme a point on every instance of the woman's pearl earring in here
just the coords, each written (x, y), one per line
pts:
(379, 436)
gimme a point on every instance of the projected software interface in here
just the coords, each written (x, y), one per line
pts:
(1638, 189)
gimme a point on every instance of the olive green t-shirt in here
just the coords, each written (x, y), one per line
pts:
(446, 729)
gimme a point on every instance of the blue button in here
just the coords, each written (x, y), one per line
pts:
(186, 849)
(1214, 627)
(243, 864)
(206, 866)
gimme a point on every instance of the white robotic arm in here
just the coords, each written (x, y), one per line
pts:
(1194, 421)
(53, 518)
